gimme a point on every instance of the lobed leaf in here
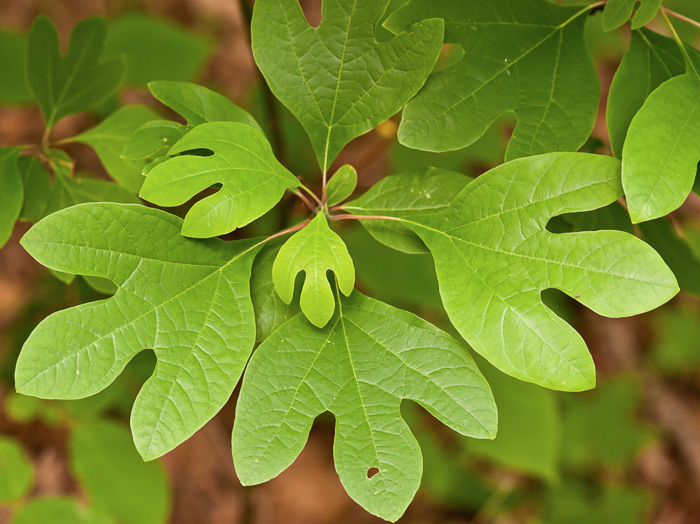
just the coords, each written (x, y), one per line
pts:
(359, 367)
(528, 57)
(252, 179)
(187, 300)
(77, 81)
(336, 78)
(316, 250)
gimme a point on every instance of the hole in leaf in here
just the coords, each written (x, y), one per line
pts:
(197, 152)
(371, 472)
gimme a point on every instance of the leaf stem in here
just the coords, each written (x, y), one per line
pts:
(364, 217)
(303, 198)
(680, 17)
(292, 229)
(681, 45)
(312, 195)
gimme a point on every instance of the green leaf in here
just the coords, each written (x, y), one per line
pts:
(613, 216)
(77, 81)
(315, 250)
(69, 191)
(650, 60)
(187, 300)
(58, 510)
(662, 149)
(110, 136)
(13, 51)
(153, 139)
(528, 57)
(37, 188)
(410, 194)
(359, 367)
(252, 179)
(116, 479)
(336, 78)
(199, 105)
(155, 49)
(17, 473)
(600, 428)
(12, 193)
(494, 256)
(270, 311)
(673, 248)
(576, 503)
(617, 12)
(675, 349)
(341, 185)
(529, 427)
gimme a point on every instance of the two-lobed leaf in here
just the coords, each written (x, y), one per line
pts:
(359, 367)
(76, 82)
(315, 250)
(336, 78)
(528, 57)
(252, 180)
(494, 257)
(188, 300)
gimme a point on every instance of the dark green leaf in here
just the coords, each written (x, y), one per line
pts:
(12, 192)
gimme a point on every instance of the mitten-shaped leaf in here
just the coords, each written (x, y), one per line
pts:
(77, 81)
(187, 300)
(494, 256)
(337, 79)
(617, 12)
(662, 148)
(108, 139)
(252, 179)
(410, 194)
(528, 57)
(12, 193)
(316, 249)
(359, 367)
(650, 60)
(196, 104)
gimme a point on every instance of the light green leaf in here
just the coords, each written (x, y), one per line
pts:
(270, 311)
(650, 60)
(116, 479)
(153, 139)
(422, 192)
(13, 52)
(617, 12)
(494, 256)
(252, 179)
(341, 185)
(187, 300)
(12, 193)
(662, 149)
(528, 57)
(529, 427)
(17, 474)
(37, 188)
(77, 81)
(199, 105)
(336, 78)
(155, 49)
(359, 367)
(110, 136)
(315, 250)
(675, 348)
(58, 510)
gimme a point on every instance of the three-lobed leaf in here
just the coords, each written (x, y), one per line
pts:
(315, 250)
(187, 300)
(494, 257)
(252, 180)
(528, 57)
(358, 367)
(76, 82)
(336, 78)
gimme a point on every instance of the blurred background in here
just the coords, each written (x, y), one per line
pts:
(627, 452)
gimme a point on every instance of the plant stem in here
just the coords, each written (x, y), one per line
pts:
(681, 45)
(680, 17)
(364, 217)
(303, 198)
(312, 195)
(292, 229)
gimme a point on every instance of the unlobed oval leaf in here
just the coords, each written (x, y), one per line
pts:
(187, 300)
(359, 367)
(12, 192)
(341, 185)
(252, 179)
